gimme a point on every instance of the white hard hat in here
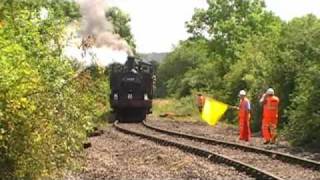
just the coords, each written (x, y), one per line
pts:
(270, 91)
(242, 93)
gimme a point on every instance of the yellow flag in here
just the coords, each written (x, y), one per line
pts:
(213, 110)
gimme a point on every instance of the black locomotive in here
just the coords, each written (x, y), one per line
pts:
(131, 90)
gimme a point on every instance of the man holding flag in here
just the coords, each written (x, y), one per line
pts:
(244, 117)
(213, 110)
(200, 102)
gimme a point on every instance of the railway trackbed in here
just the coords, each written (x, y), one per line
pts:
(257, 165)
(274, 154)
(211, 156)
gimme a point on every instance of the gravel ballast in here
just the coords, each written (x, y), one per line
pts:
(115, 155)
(230, 133)
(276, 167)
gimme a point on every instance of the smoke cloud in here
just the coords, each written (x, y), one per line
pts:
(95, 23)
(106, 48)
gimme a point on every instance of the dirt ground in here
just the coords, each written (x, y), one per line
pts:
(115, 155)
(230, 133)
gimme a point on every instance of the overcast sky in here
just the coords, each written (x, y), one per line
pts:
(158, 25)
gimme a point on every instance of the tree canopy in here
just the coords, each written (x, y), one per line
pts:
(240, 45)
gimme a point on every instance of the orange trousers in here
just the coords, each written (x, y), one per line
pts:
(269, 127)
(244, 128)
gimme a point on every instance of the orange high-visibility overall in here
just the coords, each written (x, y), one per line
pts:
(244, 120)
(270, 118)
(200, 102)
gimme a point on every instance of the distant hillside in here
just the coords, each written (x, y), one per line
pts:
(158, 57)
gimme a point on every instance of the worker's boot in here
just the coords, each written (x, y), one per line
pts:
(266, 142)
(273, 139)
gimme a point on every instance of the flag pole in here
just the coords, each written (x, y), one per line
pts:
(229, 106)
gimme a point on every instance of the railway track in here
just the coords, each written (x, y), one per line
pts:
(211, 156)
(314, 165)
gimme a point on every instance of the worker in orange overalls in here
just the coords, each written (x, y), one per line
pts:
(244, 117)
(270, 104)
(200, 102)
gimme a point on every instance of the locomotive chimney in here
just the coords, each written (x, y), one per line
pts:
(130, 63)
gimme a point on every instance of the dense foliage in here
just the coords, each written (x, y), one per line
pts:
(46, 104)
(240, 45)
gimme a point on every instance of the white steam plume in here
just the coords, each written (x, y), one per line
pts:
(95, 23)
(107, 46)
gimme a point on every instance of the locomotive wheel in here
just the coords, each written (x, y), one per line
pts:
(140, 115)
(118, 116)
(143, 115)
(111, 118)
(123, 116)
(131, 115)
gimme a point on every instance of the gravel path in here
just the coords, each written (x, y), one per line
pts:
(276, 167)
(115, 155)
(230, 133)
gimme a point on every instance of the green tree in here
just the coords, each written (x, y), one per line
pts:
(227, 26)
(46, 106)
(304, 112)
(121, 24)
(253, 72)
(230, 22)
(188, 55)
(298, 66)
(60, 8)
(239, 45)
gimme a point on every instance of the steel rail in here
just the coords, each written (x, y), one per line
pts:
(211, 156)
(274, 154)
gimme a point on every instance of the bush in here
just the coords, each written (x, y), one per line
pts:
(304, 113)
(46, 106)
(183, 106)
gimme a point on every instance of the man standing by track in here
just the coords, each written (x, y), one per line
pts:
(270, 104)
(200, 102)
(244, 117)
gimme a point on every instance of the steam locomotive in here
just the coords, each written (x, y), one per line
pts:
(131, 90)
